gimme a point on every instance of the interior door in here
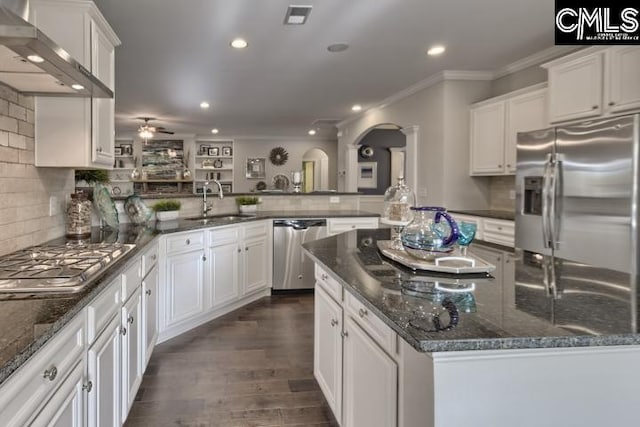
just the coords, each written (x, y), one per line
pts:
(595, 190)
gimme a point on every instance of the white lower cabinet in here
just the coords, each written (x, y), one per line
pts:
(66, 407)
(184, 286)
(370, 381)
(150, 313)
(132, 351)
(341, 225)
(223, 270)
(358, 378)
(327, 349)
(103, 374)
(255, 264)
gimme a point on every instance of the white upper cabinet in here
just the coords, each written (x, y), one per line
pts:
(487, 139)
(623, 69)
(594, 82)
(494, 127)
(77, 132)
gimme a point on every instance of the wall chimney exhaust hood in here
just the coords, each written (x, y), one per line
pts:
(33, 64)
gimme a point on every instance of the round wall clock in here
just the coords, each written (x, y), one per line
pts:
(278, 156)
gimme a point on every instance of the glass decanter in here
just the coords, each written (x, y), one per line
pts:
(398, 201)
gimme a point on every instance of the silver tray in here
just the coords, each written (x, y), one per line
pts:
(445, 264)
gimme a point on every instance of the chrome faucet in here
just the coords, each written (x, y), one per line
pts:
(206, 207)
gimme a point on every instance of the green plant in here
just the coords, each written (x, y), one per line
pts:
(166, 205)
(92, 176)
(246, 200)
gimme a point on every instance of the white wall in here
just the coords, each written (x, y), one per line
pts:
(441, 113)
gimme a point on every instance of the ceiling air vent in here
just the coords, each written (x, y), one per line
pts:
(297, 15)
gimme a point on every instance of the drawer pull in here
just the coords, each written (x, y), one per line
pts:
(499, 166)
(363, 312)
(353, 226)
(612, 104)
(88, 386)
(50, 373)
(246, 249)
(130, 320)
(595, 107)
(154, 256)
(239, 250)
(334, 322)
(188, 242)
(324, 276)
(123, 331)
(204, 258)
(499, 228)
(344, 334)
(148, 292)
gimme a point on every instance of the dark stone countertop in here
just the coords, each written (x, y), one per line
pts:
(506, 215)
(512, 310)
(27, 322)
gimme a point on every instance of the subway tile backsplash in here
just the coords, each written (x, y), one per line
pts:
(24, 189)
(499, 190)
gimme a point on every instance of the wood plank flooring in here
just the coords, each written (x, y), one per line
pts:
(252, 367)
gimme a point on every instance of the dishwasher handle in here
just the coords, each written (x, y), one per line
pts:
(300, 224)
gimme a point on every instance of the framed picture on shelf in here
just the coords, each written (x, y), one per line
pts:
(127, 149)
(226, 188)
(255, 168)
(117, 151)
(203, 150)
(227, 151)
(213, 151)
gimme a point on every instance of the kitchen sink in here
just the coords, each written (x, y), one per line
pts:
(219, 218)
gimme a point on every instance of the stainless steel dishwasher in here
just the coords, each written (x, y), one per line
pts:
(291, 268)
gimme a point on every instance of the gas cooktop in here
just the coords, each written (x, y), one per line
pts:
(57, 268)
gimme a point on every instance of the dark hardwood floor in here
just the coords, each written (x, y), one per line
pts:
(252, 367)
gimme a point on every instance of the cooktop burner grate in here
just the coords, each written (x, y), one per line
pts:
(54, 267)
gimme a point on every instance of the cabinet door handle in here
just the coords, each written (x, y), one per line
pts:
(499, 166)
(148, 292)
(123, 331)
(500, 228)
(334, 322)
(595, 107)
(324, 276)
(88, 386)
(344, 334)
(611, 104)
(353, 226)
(204, 258)
(153, 257)
(50, 373)
(130, 320)
(239, 250)
(363, 312)
(246, 249)
(188, 242)
(99, 149)
(508, 165)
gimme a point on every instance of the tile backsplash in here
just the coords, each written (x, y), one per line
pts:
(25, 190)
(499, 190)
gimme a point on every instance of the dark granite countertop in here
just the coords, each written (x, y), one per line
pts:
(28, 322)
(487, 213)
(514, 309)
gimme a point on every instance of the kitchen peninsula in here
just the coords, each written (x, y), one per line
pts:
(515, 349)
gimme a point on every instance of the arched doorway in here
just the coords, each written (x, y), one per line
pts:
(315, 169)
(381, 159)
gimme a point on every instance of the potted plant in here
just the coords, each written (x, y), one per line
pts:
(166, 210)
(87, 179)
(247, 204)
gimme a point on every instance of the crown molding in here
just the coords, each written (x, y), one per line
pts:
(534, 59)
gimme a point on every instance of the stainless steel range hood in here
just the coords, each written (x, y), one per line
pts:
(57, 75)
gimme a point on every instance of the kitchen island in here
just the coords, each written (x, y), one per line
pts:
(534, 345)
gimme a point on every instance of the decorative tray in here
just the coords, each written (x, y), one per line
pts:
(445, 264)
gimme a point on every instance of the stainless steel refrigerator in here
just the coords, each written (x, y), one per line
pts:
(577, 192)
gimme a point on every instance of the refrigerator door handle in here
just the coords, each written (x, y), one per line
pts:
(553, 185)
(545, 201)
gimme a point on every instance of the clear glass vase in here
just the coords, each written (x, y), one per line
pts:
(398, 201)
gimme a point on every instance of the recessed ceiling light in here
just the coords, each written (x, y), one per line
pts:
(35, 58)
(204, 105)
(76, 86)
(436, 50)
(356, 107)
(239, 43)
(337, 47)
(214, 130)
(312, 132)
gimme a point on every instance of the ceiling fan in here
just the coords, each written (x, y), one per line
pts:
(146, 131)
